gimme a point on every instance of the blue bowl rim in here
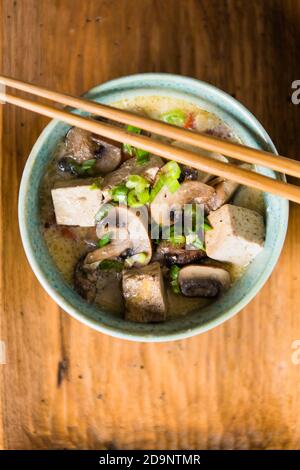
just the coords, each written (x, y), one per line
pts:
(118, 332)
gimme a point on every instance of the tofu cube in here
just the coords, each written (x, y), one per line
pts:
(143, 290)
(237, 235)
(77, 204)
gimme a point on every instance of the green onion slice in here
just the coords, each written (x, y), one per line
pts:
(174, 272)
(107, 265)
(105, 240)
(138, 183)
(176, 117)
(88, 164)
(119, 193)
(139, 258)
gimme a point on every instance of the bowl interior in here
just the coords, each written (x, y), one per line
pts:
(244, 125)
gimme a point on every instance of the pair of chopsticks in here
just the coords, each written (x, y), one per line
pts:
(186, 157)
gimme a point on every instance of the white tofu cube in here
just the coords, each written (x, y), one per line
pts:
(237, 235)
(144, 294)
(76, 205)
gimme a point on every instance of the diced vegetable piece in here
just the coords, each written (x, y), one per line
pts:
(111, 264)
(119, 193)
(172, 169)
(142, 156)
(96, 184)
(105, 240)
(174, 272)
(138, 183)
(138, 259)
(102, 212)
(193, 239)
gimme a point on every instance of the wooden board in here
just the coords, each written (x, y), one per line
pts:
(66, 386)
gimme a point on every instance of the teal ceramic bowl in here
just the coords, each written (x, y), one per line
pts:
(244, 124)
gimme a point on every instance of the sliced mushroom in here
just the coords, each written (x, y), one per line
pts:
(114, 249)
(203, 281)
(225, 190)
(108, 154)
(202, 175)
(83, 145)
(165, 202)
(178, 254)
(129, 234)
(130, 167)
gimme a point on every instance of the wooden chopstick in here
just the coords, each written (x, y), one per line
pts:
(225, 170)
(203, 141)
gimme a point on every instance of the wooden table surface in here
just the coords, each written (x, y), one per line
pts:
(66, 386)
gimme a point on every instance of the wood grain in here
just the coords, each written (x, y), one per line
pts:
(66, 386)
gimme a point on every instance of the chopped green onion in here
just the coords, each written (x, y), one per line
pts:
(144, 196)
(81, 169)
(206, 225)
(105, 240)
(174, 272)
(139, 258)
(193, 239)
(138, 183)
(128, 149)
(107, 265)
(173, 185)
(133, 200)
(156, 188)
(172, 169)
(96, 185)
(139, 194)
(119, 193)
(133, 129)
(169, 175)
(176, 117)
(88, 164)
(102, 212)
(175, 238)
(142, 156)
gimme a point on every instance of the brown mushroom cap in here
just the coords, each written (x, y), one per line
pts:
(83, 145)
(114, 249)
(178, 253)
(225, 189)
(203, 280)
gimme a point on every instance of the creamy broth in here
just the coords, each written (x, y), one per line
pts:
(67, 244)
